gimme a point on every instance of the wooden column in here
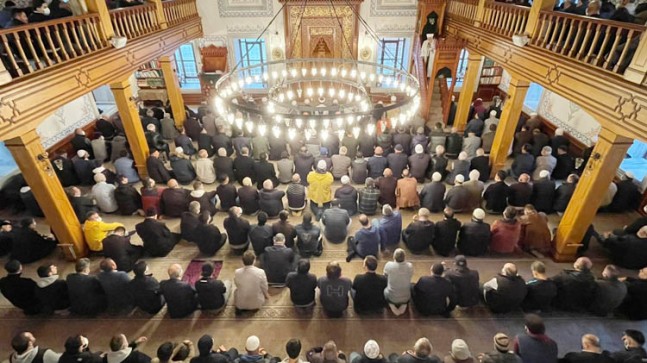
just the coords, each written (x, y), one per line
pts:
(480, 13)
(637, 70)
(605, 159)
(532, 26)
(508, 123)
(99, 7)
(132, 124)
(48, 191)
(159, 13)
(470, 83)
(173, 89)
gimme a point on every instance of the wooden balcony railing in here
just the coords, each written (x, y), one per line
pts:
(602, 43)
(179, 10)
(134, 22)
(34, 47)
(462, 10)
(505, 19)
(419, 70)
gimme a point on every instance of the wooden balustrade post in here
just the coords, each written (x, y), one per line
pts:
(605, 159)
(173, 88)
(508, 123)
(470, 82)
(159, 12)
(39, 174)
(532, 25)
(100, 8)
(637, 70)
(132, 124)
(480, 13)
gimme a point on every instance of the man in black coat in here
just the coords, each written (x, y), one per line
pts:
(122, 352)
(207, 236)
(117, 246)
(243, 166)
(158, 239)
(627, 197)
(156, 169)
(212, 293)
(224, 165)
(270, 199)
(397, 161)
(564, 193)
(506, 291)
(575, 288)
(81, 204)
(20, 291)
(633, 341)
(174, 200)
(29, 245)
(445, 233)
(51, 291)
(128, 198)
(277, 261)
(419, 234)
(260, 234)
(81, 142)
(541, 290)
(401, 137)
(6, 237)
(628, 250)
(496, 194)
(565, 164)
(237, 229)
(304, 163)
(434, 295)
(474, 237)
(145, 289)
(207, 355)
(481, 162)
(83, 167)
(432, 195)
(263, 171)
(465, 282)
(591, 352)
(520, 192)
(543, 193)
(368, 289)
(377, 163)
(523, 163)
(635, 304)
(86, 294)
(180, 297)
(115, 285)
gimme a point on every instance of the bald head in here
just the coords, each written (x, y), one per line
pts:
(582, 263)
(591, 343)
(175, 271)
(172, 183)
(509, 269)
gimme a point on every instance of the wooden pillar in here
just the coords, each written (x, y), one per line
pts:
(159, 13)
(132, 124)
(637, 70)
(605, 159)
(480, 13)
(173, 89)
(48, 191)
(470, 83)
(508, 123)
(99, 7)
(532, 25)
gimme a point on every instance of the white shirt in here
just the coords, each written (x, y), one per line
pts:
(398, 289)
(251, 287)
(104, 194)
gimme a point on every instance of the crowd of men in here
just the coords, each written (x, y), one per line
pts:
(532, 346)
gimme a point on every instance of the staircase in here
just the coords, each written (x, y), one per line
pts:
(436, 108)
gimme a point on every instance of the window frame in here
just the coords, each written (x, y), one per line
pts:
(243, 49)
(399, 59)
(187, 82)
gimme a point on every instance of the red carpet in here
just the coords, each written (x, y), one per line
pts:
(194, 270)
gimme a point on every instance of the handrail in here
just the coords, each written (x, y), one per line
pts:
(34, 47)
(420, 73)
(505, 19)
(176, 11)
(604, 44)
(135, 21)
(463, 10)
(445, 97)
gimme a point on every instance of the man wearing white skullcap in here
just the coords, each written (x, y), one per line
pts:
(419, 163)
(371, 353)
(474, 237)
(432, 194)
(475, 187)
(347, 196)
(543, 192)
(319, 190)
(458, 197)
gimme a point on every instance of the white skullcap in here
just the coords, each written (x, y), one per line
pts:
(252, 343)
(419, 149)
(436, 176)
(372, 349)
(474, 174)
(478, 213)
(559, 131)
(630, 175)
(150, 127)
(544, 174)
(345, 179)
(459, 178)
(25, 189)
(493, 113)
(81, 153)
(99, 169)
(321, 165)
(179, 150)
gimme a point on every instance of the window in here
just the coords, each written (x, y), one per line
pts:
(462, 68)
(249, 52)
(393, 53)
(636, 161)
(531, 102)
(187, 69)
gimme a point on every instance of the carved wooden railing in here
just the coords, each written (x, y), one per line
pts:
(462, 10)
(445, 97)
(179, 10)
(505, 19)
(602, 43)
(34, 47)
(135, 21)
(420, 72)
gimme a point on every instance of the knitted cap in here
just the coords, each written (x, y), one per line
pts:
(501, 342)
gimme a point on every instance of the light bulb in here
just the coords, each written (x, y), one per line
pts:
(261, 130)
(344, 73)
(304, 72)
(275, 75)
(371, 77)
(249, 126)
(323, 72)
(358, 98)
(356, 132)
(299, 122)
(313, 71)
(239, 123)
(276, 131)
(331, 92)
(342, 93)
(257, 78)
(380, 78)
(284, 73)
(290, 95)
(309, 92)
(266, 76)
(281, 97)
(340, 122)
(293, 72)
(370, 129)
(326, 123)
(320, 91)
(278, 118)
(323, 135)
(402, 87)
(350, 96)
(312, 123)
(362, 75)
(291, 133)
(230, 118)
(333, 72)
(353, 73)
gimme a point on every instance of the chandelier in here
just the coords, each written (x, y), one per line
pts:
(317, 96)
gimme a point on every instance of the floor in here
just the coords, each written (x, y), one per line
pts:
(277, 321)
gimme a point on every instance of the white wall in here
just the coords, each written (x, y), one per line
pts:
(62, 123)
(569, 116)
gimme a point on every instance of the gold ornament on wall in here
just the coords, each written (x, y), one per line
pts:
(365, 54)
(277, 53)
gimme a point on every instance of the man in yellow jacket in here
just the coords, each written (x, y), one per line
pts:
(95, 230)
(319, 189)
